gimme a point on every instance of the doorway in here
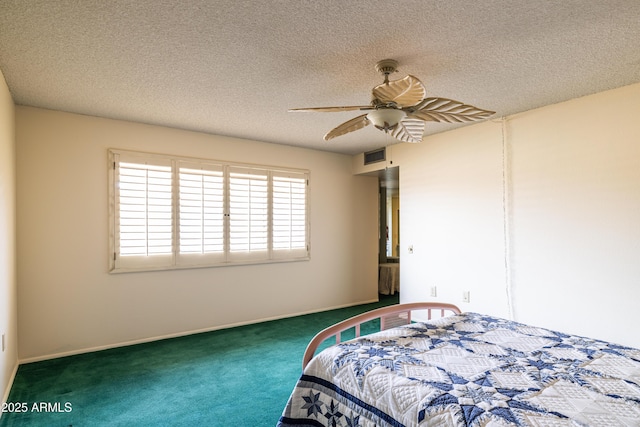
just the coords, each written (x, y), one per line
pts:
(389, 231)
(389, 215)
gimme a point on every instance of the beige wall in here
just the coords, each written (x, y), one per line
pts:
(452, 215)
(575, 203)
(539, 219)
(69, 303)
(8, 292)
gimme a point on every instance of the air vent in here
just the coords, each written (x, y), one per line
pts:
(374, 156)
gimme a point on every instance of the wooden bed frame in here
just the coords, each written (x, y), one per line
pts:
(390, 317)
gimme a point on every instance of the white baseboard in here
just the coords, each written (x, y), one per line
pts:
(182, 334)
(12, 377)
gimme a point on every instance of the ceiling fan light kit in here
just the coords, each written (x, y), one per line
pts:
(386, 119)
(400, 108)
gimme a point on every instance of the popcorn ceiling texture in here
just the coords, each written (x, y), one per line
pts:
(234, 68)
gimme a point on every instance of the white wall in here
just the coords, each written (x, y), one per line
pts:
(69, 303)
(575, 184)
(452, 215)
(8, 292)
(554, 228)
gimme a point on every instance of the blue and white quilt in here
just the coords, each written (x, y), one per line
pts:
(469, 370)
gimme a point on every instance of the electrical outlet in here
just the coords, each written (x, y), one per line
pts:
(410, 249)
(434, 291)
(466, 296)
(3, 342)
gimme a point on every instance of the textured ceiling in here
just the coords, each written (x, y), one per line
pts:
(233, 68)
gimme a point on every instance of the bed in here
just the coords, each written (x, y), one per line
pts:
(463, 369)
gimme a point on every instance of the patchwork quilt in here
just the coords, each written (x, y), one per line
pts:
(469, 370)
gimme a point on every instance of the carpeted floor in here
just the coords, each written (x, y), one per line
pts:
(233, 377)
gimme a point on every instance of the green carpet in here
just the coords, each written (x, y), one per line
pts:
(232, 377)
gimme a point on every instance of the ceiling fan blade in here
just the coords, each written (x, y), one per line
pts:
(409, 130)
(330, 109)
(348, 126)
(405, 92)
(448, 110)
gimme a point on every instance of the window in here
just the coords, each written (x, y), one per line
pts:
(173, 212)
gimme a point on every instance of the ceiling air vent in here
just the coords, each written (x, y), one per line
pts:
(374, 156)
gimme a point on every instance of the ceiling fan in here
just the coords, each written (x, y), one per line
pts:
(400, 108)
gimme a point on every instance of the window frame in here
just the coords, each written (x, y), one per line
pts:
(177, 260)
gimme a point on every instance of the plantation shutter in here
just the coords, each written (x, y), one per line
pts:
(168, 212)
(143, 212)
(201, 213)
(248, 214)
(289, 218)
